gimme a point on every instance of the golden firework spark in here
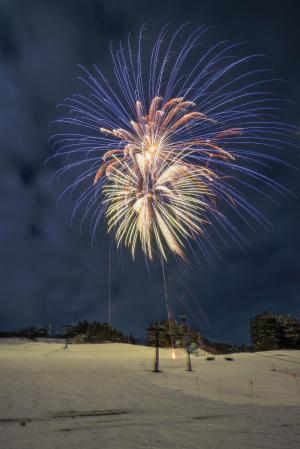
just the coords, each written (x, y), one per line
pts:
(153, 191)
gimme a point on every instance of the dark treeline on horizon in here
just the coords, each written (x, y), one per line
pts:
(268, 332)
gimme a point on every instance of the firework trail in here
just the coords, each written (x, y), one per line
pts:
(167, 148)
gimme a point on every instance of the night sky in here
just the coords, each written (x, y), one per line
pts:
(52, 273)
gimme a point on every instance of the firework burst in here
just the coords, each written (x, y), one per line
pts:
(154, 191)
(165, 147)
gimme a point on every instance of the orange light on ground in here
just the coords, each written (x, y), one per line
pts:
(173, 354)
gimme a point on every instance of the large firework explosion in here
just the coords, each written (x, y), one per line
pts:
(171, 142)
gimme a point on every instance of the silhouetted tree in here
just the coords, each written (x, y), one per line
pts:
(270, 331)
(33, 332)
(96, 332)
(172, 333)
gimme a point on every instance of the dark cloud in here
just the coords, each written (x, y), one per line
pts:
(49, 272)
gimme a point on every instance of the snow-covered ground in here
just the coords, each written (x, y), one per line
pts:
(106, 396)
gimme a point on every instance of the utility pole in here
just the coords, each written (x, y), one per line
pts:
(189, 363)
(49, 333)
(187, 344)
(156, 360)
(109, 282)
(67, 329)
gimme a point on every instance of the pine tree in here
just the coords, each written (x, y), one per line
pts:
(269, 332)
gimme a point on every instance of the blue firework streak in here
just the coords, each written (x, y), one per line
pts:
(170, 144)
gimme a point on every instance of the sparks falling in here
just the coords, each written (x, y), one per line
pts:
(169, 151)
(153, 191)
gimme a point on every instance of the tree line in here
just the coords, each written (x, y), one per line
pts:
(96, 332)
(82, 332)
(268, 332)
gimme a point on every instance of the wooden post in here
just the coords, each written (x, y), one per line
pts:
(198, 387)
(251, 390)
